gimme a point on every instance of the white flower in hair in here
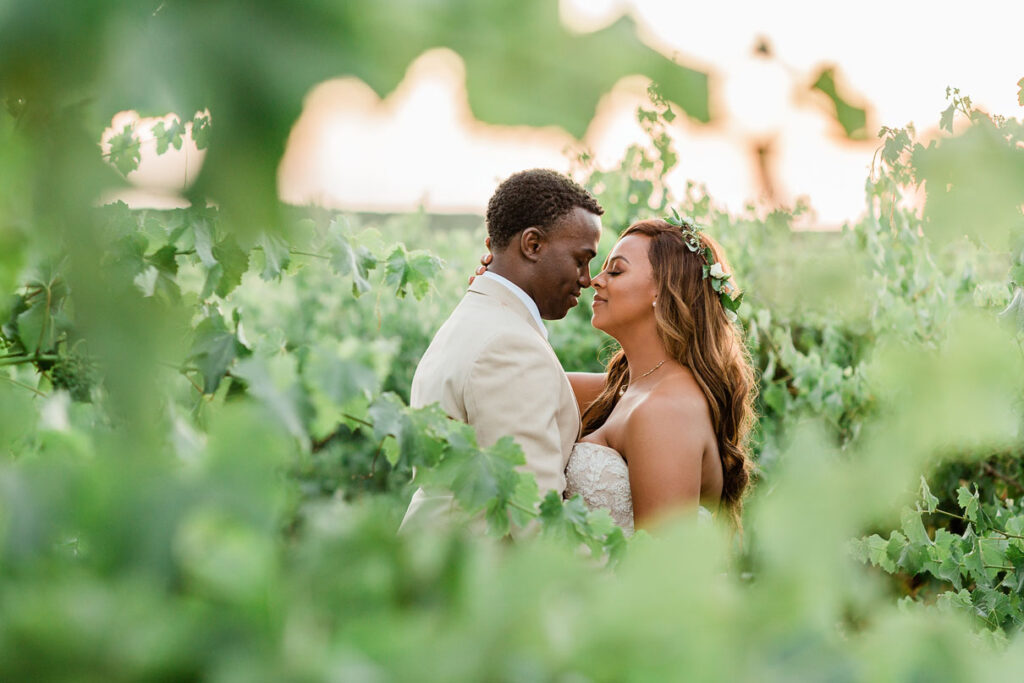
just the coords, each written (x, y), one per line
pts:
(717, 271)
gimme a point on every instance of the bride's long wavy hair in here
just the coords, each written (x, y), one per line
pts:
(693, 326)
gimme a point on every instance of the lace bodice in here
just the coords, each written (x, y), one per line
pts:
(600, 475)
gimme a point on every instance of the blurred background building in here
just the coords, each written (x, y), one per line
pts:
(772, 140)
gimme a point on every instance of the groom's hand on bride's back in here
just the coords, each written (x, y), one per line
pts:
(485, 261)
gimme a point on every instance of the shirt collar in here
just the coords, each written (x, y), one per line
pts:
(530, 304)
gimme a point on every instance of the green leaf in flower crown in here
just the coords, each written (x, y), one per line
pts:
(276, 256)
(125, 150)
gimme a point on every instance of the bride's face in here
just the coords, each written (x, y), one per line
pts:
(624, 292)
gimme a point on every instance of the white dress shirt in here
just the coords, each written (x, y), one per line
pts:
(530, 304)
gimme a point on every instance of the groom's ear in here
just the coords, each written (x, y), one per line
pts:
(531, 241)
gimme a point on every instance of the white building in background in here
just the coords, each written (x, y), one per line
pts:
(772, 139)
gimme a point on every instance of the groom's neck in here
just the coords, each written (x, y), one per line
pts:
(515, 271)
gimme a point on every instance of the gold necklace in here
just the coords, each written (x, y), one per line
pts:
(623, 389)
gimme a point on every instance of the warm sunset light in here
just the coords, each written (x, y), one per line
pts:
(421, 146)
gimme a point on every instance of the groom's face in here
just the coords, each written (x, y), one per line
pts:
(563, 269)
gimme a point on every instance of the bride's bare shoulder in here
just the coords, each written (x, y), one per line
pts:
(676, 403)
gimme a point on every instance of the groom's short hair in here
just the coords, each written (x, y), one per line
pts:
(535, 198)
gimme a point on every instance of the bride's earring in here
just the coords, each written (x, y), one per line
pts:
(654, 303)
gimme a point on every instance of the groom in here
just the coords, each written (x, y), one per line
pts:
(490, 364)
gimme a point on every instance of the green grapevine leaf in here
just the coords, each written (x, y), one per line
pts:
(894, 146)
(930, 502)
(413, 270)
(214, 348)
(168, 136)
(490, 478)
(776, 397)
(164, 268)
(391, 450)
(853, 119)
(204, 240)
(969, 502)
(973, 562)
(874, 549)
(273, 380)
(125, 152)
(357, 262)
(388, 416)
(36, 329)
(910, 522)
(945, 557)
(1015, 556)
(956, 601)
(233, 263)
(946, 120)
(276, 256)
(201, 131)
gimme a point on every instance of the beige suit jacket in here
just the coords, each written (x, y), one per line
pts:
(490, 366)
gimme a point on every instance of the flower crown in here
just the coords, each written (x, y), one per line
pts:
(728, 294)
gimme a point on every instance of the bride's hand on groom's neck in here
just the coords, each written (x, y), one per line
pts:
(485, 261)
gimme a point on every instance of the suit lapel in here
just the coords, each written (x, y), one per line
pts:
(499, 292)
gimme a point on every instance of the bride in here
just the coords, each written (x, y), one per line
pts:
(666, 426)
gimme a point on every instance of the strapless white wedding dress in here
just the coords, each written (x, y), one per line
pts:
(600, 475)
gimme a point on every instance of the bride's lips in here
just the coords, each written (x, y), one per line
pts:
(598, 300)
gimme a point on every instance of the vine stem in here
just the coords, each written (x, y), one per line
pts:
(23, 386)
(308, 253)
(359, 420)
(1007, 534)
(950, 514)
(523, 508)
(21, 359)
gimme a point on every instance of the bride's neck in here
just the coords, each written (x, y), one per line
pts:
(643, 352)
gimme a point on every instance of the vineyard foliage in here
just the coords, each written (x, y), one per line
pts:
(206, 448)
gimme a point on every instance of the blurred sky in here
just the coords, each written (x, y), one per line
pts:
(420, 145)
